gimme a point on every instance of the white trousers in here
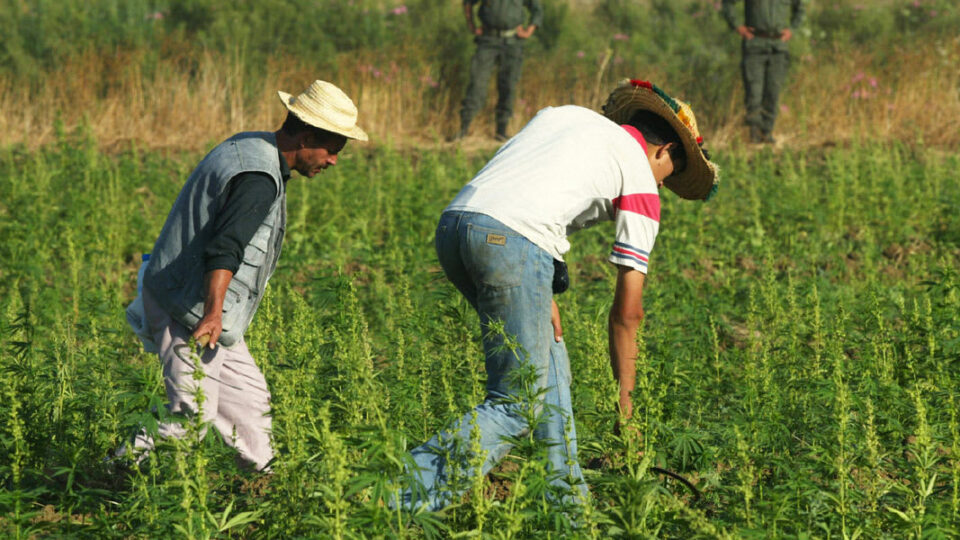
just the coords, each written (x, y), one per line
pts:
(237, 399)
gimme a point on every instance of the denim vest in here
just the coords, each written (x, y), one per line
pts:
(175, 273)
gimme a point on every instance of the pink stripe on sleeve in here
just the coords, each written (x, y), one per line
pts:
(619, 249)
(645, 204)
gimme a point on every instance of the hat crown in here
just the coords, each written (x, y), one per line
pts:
(700, 177)
(327, 100)
(687, 117)
(325, 106)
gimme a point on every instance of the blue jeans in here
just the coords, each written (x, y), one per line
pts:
(508, 280)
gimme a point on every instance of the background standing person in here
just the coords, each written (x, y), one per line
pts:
(768, 26)
(501, 243)
(499, 40)
(210, 265)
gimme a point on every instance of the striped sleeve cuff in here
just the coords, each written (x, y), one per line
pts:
(626, 255)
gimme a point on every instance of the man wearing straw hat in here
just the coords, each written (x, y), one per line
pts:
(210, 265)
(501, 242)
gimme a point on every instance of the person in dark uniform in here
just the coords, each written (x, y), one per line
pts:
(499, 41)
(767, 28)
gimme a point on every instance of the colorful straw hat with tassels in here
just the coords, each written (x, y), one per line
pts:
(700, 178)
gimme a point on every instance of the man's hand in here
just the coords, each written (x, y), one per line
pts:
(626, 412)
(785, 34)
(210, 327)
(555, 321)
(525, 32)
(746, 32)
(626, 405)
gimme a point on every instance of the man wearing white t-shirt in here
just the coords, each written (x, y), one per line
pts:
(501, 242)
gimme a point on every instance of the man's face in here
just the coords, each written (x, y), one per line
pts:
(318, 153)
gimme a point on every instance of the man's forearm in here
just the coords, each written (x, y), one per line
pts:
(468, 13)
(215, 284)
(623, 352)
(626, 314)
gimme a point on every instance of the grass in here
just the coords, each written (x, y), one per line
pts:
(798, 362)
(185, 74)
(798, 359)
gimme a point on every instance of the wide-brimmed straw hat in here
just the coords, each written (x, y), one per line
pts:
(325, 106)
(700, 178)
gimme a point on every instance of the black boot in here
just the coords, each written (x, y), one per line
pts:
(462, 134)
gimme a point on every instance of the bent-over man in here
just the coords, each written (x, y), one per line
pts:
(501, 243)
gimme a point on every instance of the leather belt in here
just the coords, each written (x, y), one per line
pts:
(500, 33)
(768, 35)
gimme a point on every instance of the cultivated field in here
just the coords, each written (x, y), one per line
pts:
(799, 357)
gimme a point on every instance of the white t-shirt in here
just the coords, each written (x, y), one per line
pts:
(566, 170)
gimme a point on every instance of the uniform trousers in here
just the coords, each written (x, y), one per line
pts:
(506, 55)
(764, 72)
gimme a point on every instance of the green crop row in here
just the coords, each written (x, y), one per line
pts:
(798, 358)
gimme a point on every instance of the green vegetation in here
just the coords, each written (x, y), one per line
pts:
(879, 63)
(799, 359)
(799, 356)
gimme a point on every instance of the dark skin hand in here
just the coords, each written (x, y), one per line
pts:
(555, 321)
(747, 32)
(525, 32)
(211, 325)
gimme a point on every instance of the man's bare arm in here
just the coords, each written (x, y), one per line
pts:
(625, 317)
(211, 325)
(468, 13)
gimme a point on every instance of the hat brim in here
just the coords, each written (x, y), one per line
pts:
(697, 179)
(350, 132)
